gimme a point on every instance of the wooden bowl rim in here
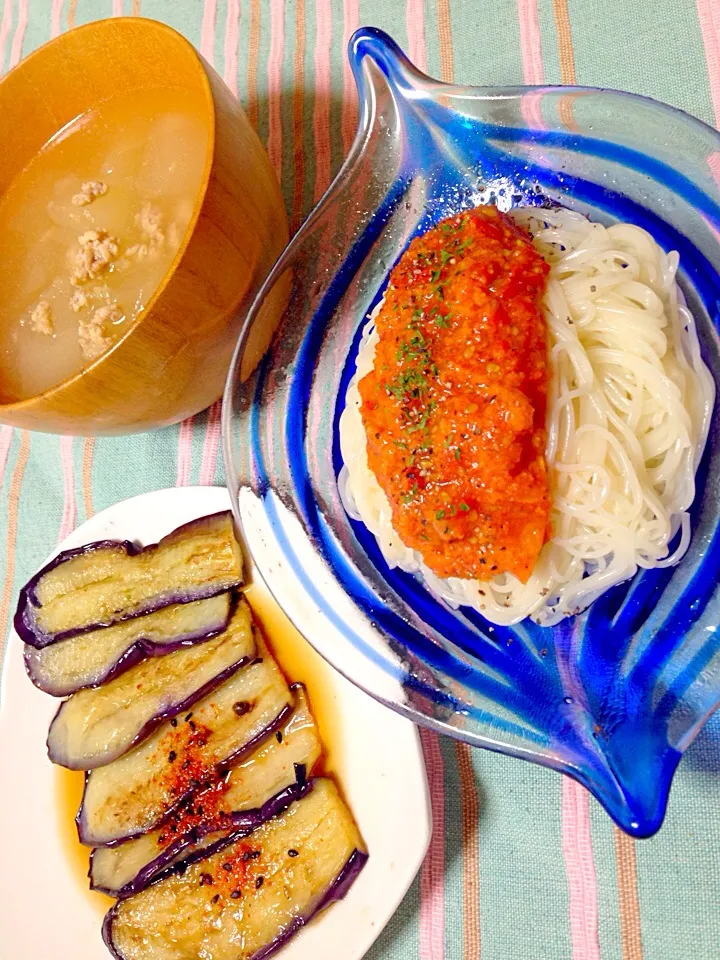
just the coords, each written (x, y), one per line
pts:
(37, 399)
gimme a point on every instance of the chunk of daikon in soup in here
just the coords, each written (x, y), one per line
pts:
(174, 156)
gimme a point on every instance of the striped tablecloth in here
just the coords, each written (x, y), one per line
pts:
(523, 865)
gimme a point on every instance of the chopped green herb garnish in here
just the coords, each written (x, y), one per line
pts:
(457, 453)
(440, 515)
(464, 507)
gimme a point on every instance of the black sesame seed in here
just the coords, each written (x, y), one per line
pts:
(242, 707)
(293, 853)
(173, 722)
(254, 854)
(227, 866)
(216, 898)
(191, 724)
(206, 879)
(172, 756)
(256, 660)
(186, 764)
(188, 716)
(246, 856)
(236, 894)
(279, 736)
(259, 882)
(200, 810)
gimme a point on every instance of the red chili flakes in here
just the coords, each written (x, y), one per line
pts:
(181, 752)
(204, 809)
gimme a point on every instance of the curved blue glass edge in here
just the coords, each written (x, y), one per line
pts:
(379, 46)
(664, 774)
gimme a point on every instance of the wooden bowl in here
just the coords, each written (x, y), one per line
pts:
(172, 362)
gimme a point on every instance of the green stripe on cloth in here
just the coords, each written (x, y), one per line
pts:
(628, 30)
(523, 890)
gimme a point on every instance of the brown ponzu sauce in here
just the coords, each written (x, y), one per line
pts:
(454, 409)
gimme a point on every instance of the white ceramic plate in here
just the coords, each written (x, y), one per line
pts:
(45, 908)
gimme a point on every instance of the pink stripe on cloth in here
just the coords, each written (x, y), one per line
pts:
(232, 33)
(17, 44)
(532, 61)
(211, 444)
(67, 524)
(709, 17)
(55, 17)
(6, 435)
(415, 20)
(5, 27)
(277, 45)
(580, 869)
(351, 21)
(530, 42)
(184, 453)
(321, 119)
(432, 874)
(207, 30)
(117, 8)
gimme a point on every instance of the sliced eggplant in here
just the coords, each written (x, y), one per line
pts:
(110, 581)
(190, 850)
(245, 899)
(137, 791)
(95, 727)
(102, 655)
(246, 795)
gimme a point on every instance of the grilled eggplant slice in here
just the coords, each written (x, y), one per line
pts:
(95, 727)
(244, 900)
(136, 792)
(110, 581)
(102, 655)
(245, 796)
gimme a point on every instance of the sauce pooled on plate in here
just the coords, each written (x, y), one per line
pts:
(454, 409)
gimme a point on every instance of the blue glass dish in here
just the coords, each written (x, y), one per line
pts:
(612, 697)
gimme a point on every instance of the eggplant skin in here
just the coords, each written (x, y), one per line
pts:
(181, 856)
(307, 858)
(103, 655)
(95, 727)
(337, 891)
(228, 803)
(32, 616)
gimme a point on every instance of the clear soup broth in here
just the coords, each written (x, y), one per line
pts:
(89, 229)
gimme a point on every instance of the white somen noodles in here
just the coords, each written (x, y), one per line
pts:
(629, 404)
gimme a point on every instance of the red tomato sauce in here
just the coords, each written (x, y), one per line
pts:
(454, 409)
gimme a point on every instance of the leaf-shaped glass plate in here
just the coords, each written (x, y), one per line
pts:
(612, 697)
